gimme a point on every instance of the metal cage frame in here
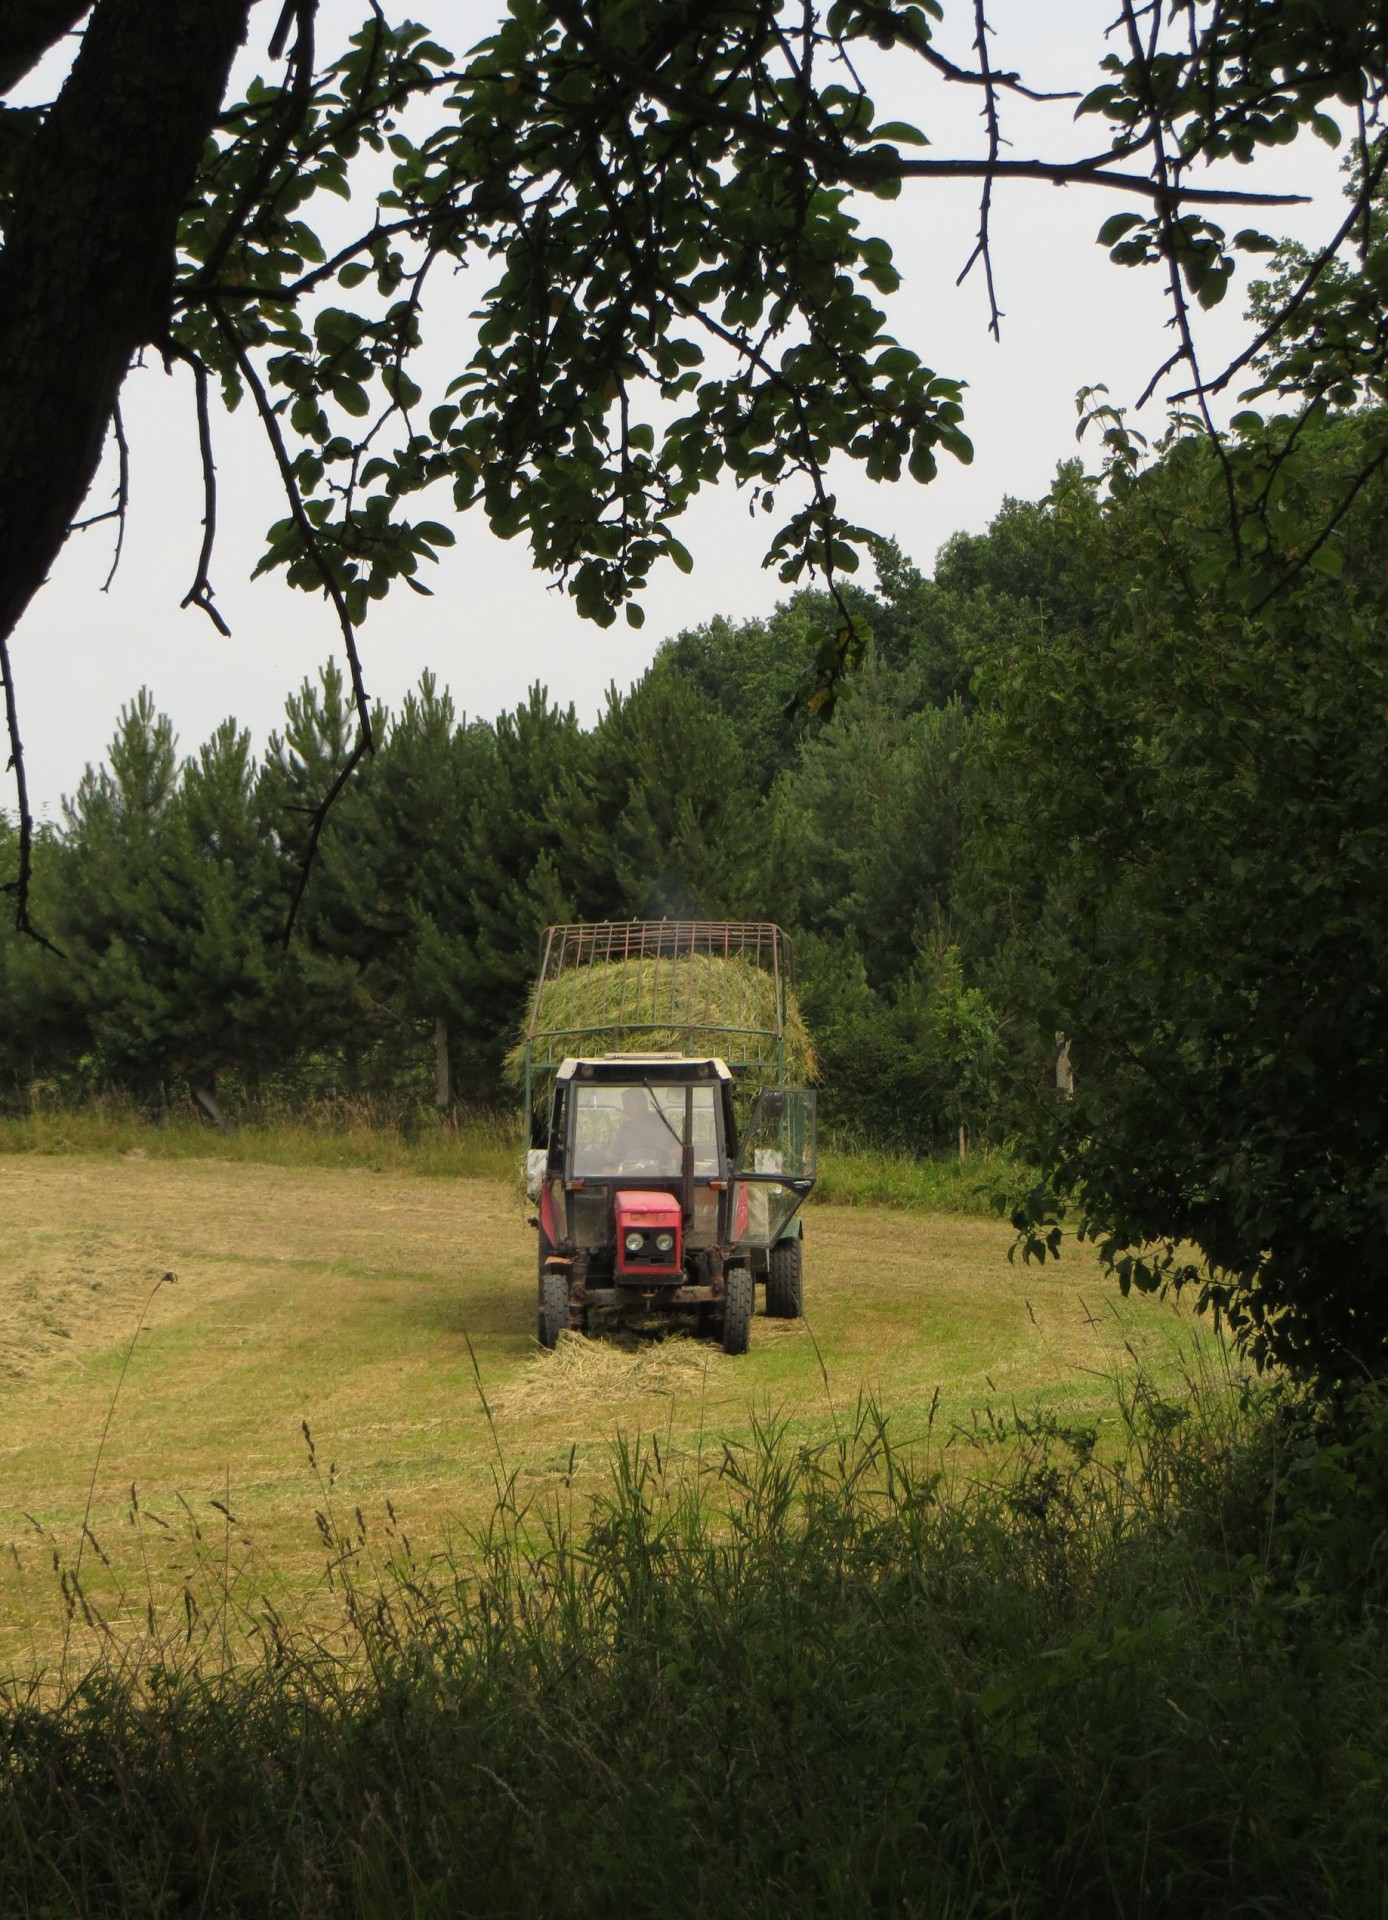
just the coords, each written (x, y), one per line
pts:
(571, 949)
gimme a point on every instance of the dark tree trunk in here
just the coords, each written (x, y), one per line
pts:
(88, 255)
(443, 1071)
(28, 28)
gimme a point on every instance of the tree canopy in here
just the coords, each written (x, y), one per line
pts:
(684, 282)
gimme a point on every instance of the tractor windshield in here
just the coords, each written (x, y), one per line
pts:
(638, 1129)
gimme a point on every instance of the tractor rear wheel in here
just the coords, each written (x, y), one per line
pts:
(554, 1307)
(738, 1303)
(785, 1285)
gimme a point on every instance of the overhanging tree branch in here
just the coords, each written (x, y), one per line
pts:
(86, 268)
(122, 490)
(19, 886)
(28, 28)
(675, 116)
(307, 531)
(316, 826)
(200, 593)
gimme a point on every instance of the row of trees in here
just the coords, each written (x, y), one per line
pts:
(1106, 774)
(705, 789)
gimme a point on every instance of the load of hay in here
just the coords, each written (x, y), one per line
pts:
(700, 1003)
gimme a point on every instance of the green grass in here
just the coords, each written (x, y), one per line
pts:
(332, 1134)
(949, 1184)
(1057, 1637)
(1013, 1678)
(356, 1300)
(390, 1139)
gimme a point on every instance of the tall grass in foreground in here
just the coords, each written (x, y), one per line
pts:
(886, 1675)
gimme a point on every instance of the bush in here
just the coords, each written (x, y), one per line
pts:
(1183, 817)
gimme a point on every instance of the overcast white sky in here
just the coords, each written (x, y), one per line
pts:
(495, 626)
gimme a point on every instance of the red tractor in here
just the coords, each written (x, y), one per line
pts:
(667, 1180)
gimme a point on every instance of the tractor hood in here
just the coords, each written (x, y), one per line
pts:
(650, 1233)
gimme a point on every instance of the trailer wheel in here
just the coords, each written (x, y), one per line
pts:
(554, 1307)
(738, 1304)
(785, 1285)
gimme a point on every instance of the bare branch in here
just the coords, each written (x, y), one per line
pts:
(122, 496)
(1090, 172)
(366, 742)
(19, 886)
(320, 818)
(1172, 360)
(200, 593)
(921, 44)
(307, 532)
(982, 247)
(279, 38)
(122, 490)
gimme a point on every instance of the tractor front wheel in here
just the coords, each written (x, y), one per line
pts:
(738, 1303)
(785, 1284)
(554, 1307)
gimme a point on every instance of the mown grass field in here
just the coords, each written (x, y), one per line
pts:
(380, 1309)
(1090, 1627)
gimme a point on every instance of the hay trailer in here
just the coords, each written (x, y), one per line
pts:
(668, 1157)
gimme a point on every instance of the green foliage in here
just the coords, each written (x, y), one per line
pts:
(637, 237)
(1006, 1671)
(165, 891)
(378, 1133)
(863, 1176)
(1322, 329)
(868, 823)
(661, 821)
(908, 1069)
(1153, 824)
(709, 788)
(1202, 819)
(383, 1132)
(684, 284)
(755, 675)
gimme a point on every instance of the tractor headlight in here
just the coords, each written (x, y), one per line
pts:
(635, 1242)
(664, 1242)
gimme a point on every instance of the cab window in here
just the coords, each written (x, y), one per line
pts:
(639, 1130)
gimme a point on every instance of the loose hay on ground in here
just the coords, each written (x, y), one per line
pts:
(593, 1373)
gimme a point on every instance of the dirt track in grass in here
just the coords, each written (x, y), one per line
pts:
(356, 1304)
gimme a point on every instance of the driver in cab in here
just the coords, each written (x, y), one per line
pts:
(645, 1142)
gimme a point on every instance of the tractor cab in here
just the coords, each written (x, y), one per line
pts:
(647, 1196)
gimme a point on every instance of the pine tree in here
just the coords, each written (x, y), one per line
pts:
(192, 981)
(664, 814)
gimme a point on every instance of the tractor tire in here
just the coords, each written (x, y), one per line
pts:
(785, 1284)
(738, 1304)
(554, 1308)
